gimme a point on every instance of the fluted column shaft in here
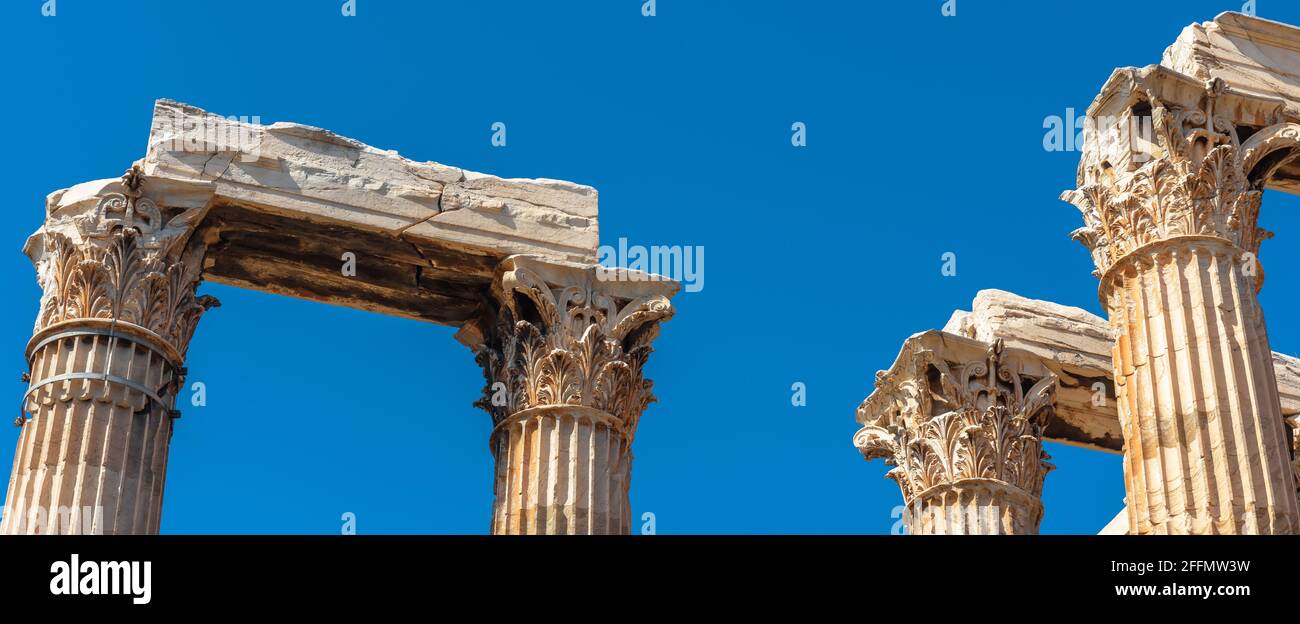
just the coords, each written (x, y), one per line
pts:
(1206, 451)
(975, 507)
(93, 457)
(561, 470)
(106, 361)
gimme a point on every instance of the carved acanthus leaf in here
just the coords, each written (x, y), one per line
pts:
(1194, 183)
(940, 423)
(568, 344)
(120, 261)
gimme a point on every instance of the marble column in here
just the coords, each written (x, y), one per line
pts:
(963, 430)
(563, 348)
(1175, 242)
(119, 274)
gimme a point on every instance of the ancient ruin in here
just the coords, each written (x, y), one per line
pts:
(1181, 378)
(281, 208)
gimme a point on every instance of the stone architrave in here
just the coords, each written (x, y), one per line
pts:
(426, 237)
(1076, 346)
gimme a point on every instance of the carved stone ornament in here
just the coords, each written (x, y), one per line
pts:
(941, 423)
(560, 336)
(115, 257)
(1191, 179)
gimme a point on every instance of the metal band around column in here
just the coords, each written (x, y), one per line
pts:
(111, 332)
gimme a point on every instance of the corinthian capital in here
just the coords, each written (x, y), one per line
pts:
(1171, 157)
(956, 413)
(561, 334)
(108, 252)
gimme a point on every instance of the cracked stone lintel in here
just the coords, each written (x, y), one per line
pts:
(1072, 344)
(284, 201)
(1075, 345)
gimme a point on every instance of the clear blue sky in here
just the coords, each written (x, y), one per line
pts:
(924, 136)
